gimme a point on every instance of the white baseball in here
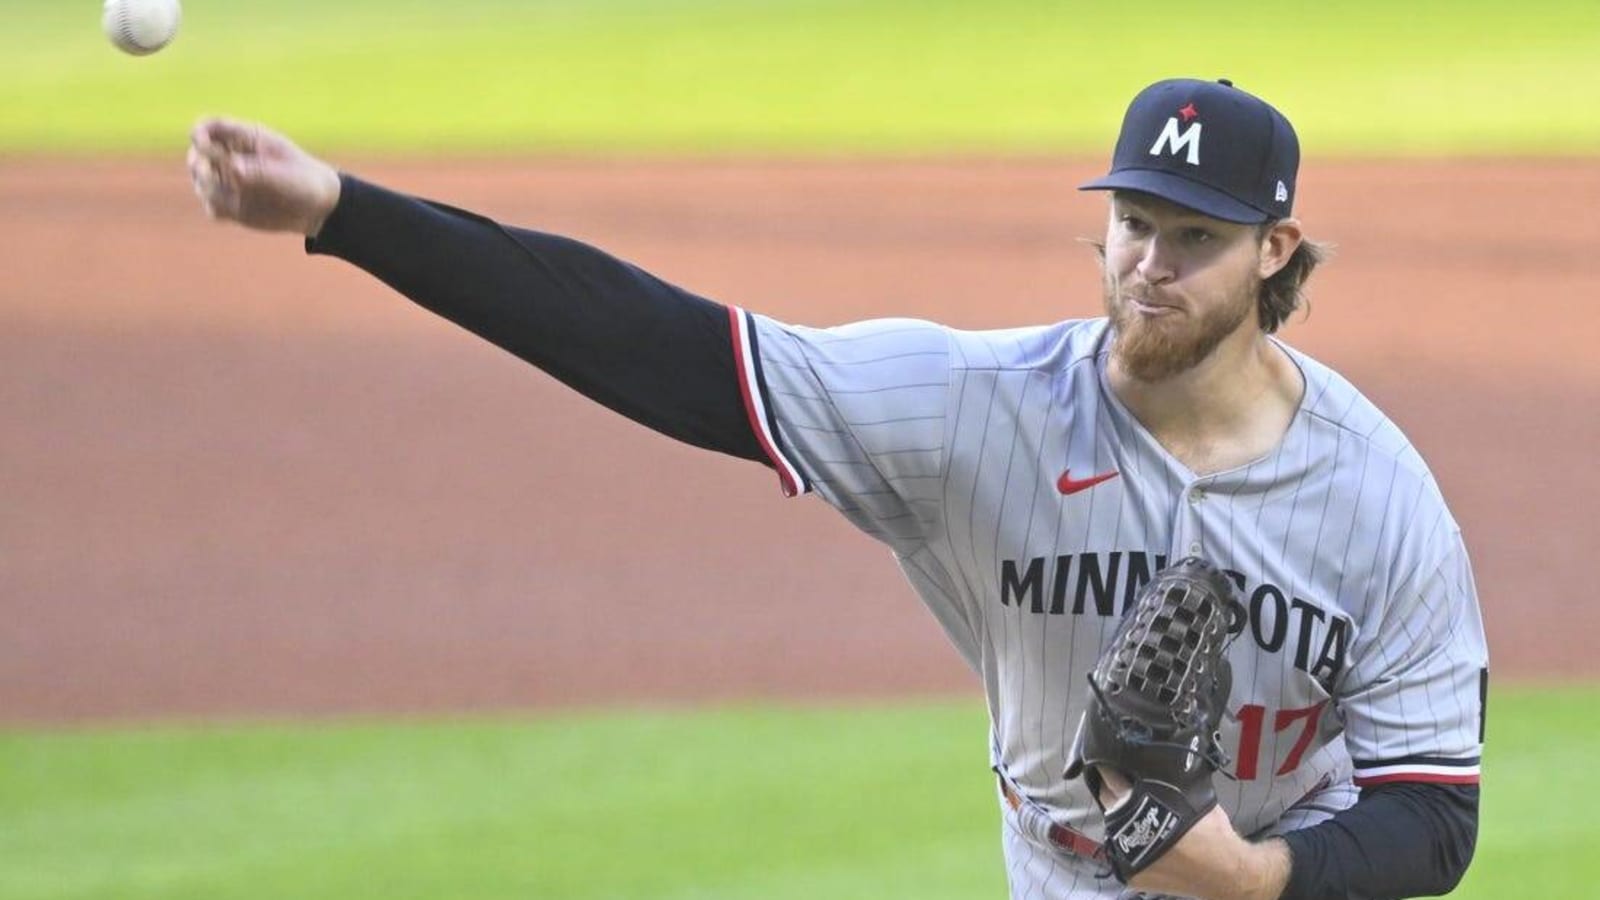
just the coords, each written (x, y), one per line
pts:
(140, 27)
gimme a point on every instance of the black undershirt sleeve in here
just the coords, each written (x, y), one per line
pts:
(617, 334)
(1404, 839)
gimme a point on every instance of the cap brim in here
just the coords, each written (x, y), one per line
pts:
(1179, 190)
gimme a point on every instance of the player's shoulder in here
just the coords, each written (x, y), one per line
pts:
(1053, 347)
(868, 336)
(1337, 411)
(1041, 347)
(1333, 403)
(871, 349)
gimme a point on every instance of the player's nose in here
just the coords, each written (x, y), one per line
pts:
(1157, 263)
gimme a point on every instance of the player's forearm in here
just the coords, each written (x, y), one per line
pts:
(1271, 872)
(1260, 871)
(1214, 863)
(1248, 871)
(651, 351)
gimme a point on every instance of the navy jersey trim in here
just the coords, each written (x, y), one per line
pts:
(758, 404)
(1483, 702)
(1429, 769)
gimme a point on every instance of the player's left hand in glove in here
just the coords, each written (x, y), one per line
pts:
(1159, 691)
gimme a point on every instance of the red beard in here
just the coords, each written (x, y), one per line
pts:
(1156, 348)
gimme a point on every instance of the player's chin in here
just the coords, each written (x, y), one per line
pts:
(1151, 350)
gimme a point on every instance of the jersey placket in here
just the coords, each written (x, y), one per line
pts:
(1185, 491)
(1188, 535)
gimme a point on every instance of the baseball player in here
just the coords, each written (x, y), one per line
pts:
(1030, 481)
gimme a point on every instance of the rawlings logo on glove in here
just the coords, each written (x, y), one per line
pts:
(1144, 829)
(1160, 689)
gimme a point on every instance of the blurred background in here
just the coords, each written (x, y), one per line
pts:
(307, 593)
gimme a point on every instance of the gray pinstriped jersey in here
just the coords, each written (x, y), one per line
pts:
(1363, 655)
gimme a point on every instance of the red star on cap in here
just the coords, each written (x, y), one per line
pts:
(1189, 112)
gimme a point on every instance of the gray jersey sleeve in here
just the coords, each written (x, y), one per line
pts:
(857, 413)
(1413, 701)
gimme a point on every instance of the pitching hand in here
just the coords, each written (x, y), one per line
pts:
(252, 175)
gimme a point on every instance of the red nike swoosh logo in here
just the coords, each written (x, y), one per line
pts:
(1069, 485)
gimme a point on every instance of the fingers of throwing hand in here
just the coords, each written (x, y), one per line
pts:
(218, 192)
(203, 145)
(226, 134)
(229, 147)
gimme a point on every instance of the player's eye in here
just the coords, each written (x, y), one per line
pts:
(1135, 225)
(1197, 235)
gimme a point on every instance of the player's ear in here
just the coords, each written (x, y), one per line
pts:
(1279, 240)
(1099, 248)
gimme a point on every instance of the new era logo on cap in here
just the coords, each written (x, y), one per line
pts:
(1245, 171)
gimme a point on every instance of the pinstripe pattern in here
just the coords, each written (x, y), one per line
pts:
(1361, 653)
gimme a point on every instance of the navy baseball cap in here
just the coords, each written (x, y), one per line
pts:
(1209, 146)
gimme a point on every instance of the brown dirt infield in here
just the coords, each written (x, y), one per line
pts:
(238, 481)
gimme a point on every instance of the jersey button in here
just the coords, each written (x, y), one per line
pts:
(1194, 548)
(1197, 495)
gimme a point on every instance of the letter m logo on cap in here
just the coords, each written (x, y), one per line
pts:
(1172, 141)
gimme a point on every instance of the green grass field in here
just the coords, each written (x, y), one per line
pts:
(838, 803)
(797, 76)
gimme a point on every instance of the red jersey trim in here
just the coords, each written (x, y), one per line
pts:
(1429, 769)
(1427, 777)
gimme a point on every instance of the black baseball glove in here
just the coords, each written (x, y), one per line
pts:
(1160, 688)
